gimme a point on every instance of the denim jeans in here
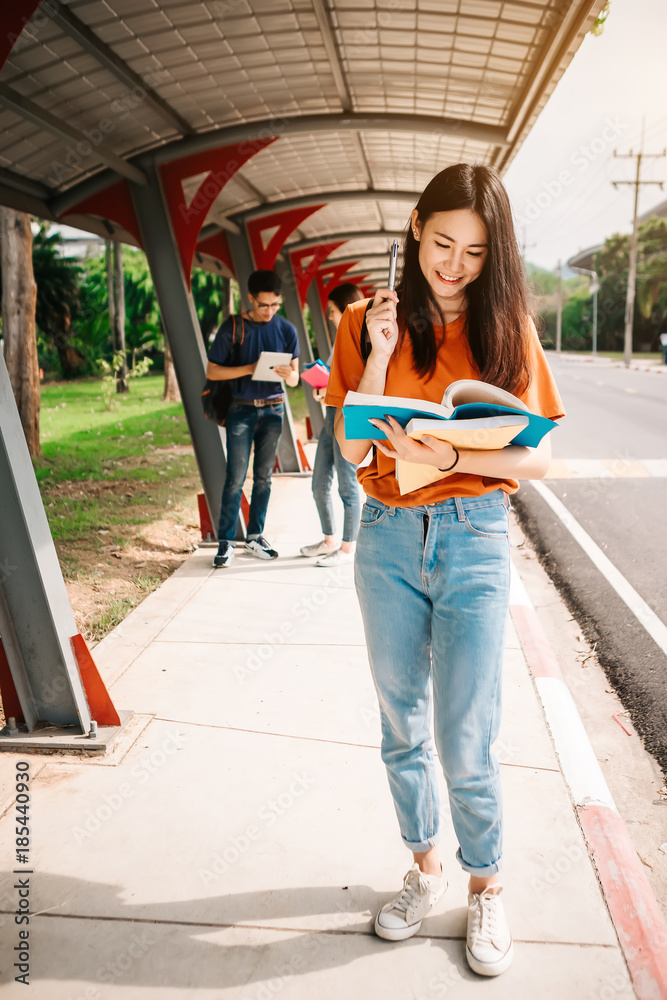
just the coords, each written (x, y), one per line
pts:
(433, 585)
(328, 457)
(248, 424)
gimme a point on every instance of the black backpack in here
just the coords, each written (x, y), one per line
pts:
(217, 394)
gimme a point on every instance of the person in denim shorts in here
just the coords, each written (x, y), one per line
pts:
(432, 567)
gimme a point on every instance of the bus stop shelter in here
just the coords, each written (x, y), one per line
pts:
(240, 134)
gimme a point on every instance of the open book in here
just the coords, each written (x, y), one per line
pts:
(473, 415)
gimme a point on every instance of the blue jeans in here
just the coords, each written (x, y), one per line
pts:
(248, 424)
(328, 457)
(433, 585)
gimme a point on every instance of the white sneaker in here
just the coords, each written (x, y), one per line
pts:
(317, 549)
(337, 558)
(260, 548)
(402, 917)
(489, 948)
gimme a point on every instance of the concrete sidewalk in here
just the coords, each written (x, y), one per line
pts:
(240, 837)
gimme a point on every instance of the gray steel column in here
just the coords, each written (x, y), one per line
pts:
(319, 322)
(239, 247)
(295, 315)
(36, 620)
(183, 332)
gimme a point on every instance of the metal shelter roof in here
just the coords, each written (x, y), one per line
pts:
(365, 100)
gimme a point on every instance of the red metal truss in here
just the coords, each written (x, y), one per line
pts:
(13, 18)
(220, 166)
(115, 204)
(216, 246)
(283, 225)
(306, 263)
(328, 277)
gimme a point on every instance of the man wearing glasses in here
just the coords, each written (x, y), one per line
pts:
(256, 413)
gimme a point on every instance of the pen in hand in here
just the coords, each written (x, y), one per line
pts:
(392, 266)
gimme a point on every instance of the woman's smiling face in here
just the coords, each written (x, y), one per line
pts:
(452, 252)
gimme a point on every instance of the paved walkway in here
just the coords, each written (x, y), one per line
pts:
(239, 839)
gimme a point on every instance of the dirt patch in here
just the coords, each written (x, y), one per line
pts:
(110, 570)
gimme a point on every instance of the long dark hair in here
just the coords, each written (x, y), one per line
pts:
(498, 304)
(344, 295)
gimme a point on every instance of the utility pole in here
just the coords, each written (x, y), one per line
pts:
(632, 267)
(524, 244)
(559, 314)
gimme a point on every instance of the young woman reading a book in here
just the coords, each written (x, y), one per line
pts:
(328, 458)
(432, 567)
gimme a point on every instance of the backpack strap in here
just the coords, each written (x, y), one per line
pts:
(236, 343)
(365, 337)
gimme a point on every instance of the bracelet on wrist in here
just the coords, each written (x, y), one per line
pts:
(454, 463)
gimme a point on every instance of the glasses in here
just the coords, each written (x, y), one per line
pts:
(267, 305)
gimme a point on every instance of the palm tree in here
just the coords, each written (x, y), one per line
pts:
(57, 279)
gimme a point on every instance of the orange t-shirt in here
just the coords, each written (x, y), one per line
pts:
(454, 362)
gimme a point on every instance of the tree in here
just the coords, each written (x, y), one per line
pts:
(19, 298)
(57, 279)
(211, 295)
(171, 392)
(116, 308)
(611, 263)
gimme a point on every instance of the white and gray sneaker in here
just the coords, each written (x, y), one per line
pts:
(317, 549)
(489, 948)
(402, 917)
(260, 548)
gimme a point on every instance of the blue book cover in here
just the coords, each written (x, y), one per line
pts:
(357, 426)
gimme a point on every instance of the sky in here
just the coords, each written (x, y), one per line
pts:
(560, 180)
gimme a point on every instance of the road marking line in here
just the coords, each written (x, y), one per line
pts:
(607, 468)
(640, 609)
(626, 468)
(589, 468)
(656, 466)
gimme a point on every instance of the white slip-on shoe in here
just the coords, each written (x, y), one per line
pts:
(489, 948)
(316, 549)
(402, 916)
(337, 558)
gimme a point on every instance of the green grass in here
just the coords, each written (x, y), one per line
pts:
(637, 356)
(114, 455)
(297, 402)
(619, 355)
(82, 440)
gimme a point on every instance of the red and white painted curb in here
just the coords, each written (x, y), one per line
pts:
(637, 918)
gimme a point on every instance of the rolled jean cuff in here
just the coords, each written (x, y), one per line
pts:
(423, 846)
(479, 872)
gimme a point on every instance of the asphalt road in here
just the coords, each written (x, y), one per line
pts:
(611, 452)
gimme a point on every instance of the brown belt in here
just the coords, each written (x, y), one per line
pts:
(258, 402)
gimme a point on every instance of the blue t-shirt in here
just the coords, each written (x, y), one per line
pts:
(276, 335)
